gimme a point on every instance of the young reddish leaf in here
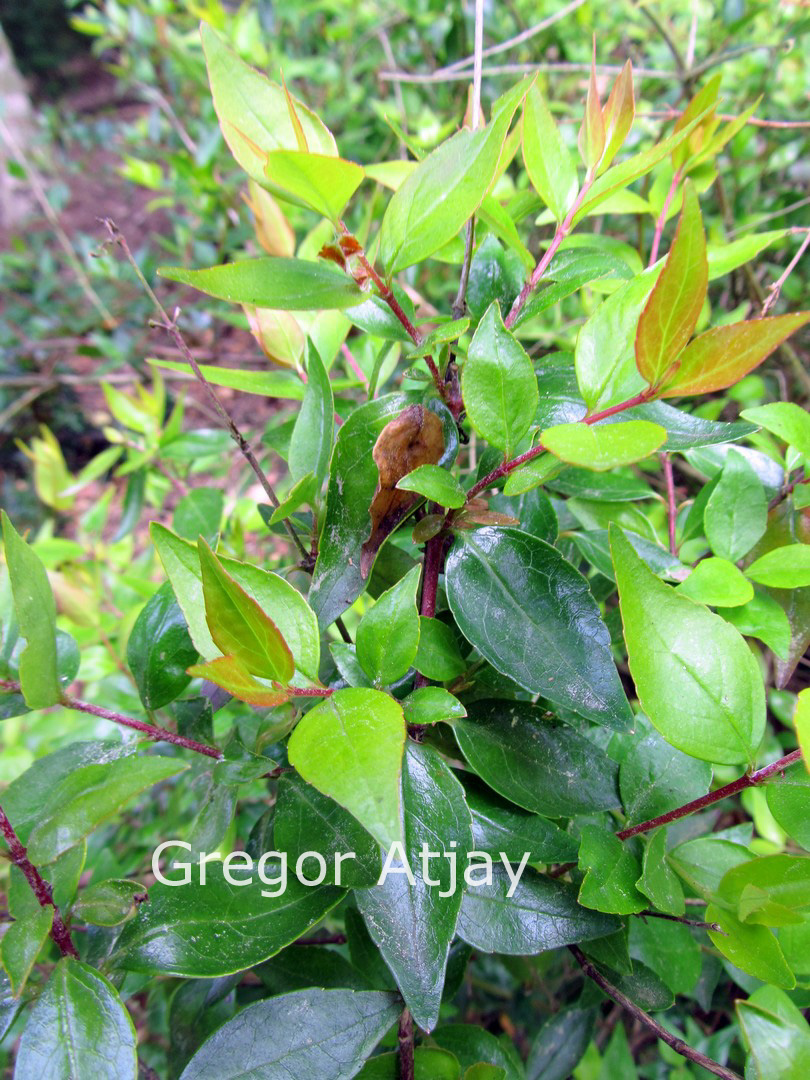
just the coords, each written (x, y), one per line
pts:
(592, 132)
(704, 99)
(232, 675)
(618, 115)
(671, 313)
(238, 625)
(720, 357)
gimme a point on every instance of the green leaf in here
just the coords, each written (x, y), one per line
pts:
(696, 679)
(229, 673)
(529, 757)
(322, 182)
(703, 862)
(789, 802)
(430, 704)
(736, 514)
(350, 748)
(782, 568)
(21, 944)
(411, 923)
(238, 624)
(473, 1045)
(337, 580)
(445, 189)
(109, 903)
(531, 615)
(751, 948)
(438, 656)
(291, 613)
(78, 1027)
(672, 310)
(305, 820)
(604, 356)
(548, 162)
(498, 384)
(280, 384)
(717, 582)
(655, 778)
(603, 446)
(199, 512)
(36, 615)
(684, 430)
(90, 796)
(776, 1035)
(668, 949)
(159, 650)
(277, 282)
(303, 491)
(720, 357)
(788, 421)
(429, 1063)
(254, 113)
(313, 1033)
(560, 1044)
(727, 257)
(762, 618)
(203, 931)
(658, 882)
(773, 890)
(611, 872)
(388, 634)
(434, 483)
(594, 546)
(499, 826)
(311, 441)
(541, 914)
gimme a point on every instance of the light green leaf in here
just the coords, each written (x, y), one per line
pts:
(696, 679)
(278, 282)
(752, 948)
(311, 441)
(762, 618)
(782, 568)
(788, 421)
(441, 194)
(548, 162)
(388, 634)
(776, 1035)
(434, 483)
(719, 583)
(611, 872)
(350, 747)
(430, 704)
(736, 513)
(658, 882)
(498, 384)
(322, 182)
(603, 446)
(724, 258)
(36, 615)
(21, 944)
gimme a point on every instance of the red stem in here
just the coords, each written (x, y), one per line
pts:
(662, 217)
(405, 1043)
(159, 734)
(434, 557)
(39, 886)
(672, 506)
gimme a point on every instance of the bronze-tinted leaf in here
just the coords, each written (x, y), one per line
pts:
(413, 438)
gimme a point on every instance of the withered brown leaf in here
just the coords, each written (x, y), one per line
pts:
(413, 438)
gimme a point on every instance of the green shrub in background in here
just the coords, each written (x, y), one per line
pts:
(532, 586)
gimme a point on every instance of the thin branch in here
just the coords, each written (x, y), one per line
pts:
(748, 780)
(170, 326)
(677, 56)
(697, 923)
(678, 1045)
(755, 121)
(518, 39)
(405, 1044)
(38, 188)
(460, 302)
(522, 69)
(672, 506)
(775, 289)
(39, 886)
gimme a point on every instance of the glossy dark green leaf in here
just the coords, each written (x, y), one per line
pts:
(541, 914)
(495, 274)
(499, 826)
(669, 949)
(159, 650)
(218, 928)
(413, 925)
(560, 1044)
(430, 704)
(594, 545)
(21, 944)
(531, 615)
(300, 967)
(684, 430)
(196, 1010)
(535, 760)
(283, 284)
(618, 485)
(438, 656)
(109, 903)
(36, 616)
(306, 820)
(78, 1027)
(388, 635)
(658, 881)
(533, 510)
(311, 1033)
(655, 778)
(353, 476)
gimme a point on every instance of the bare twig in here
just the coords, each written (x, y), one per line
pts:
(522, 69)
(39, 886)
(170, 326)
(678, 1045)
(697, 923)
(775, 289)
